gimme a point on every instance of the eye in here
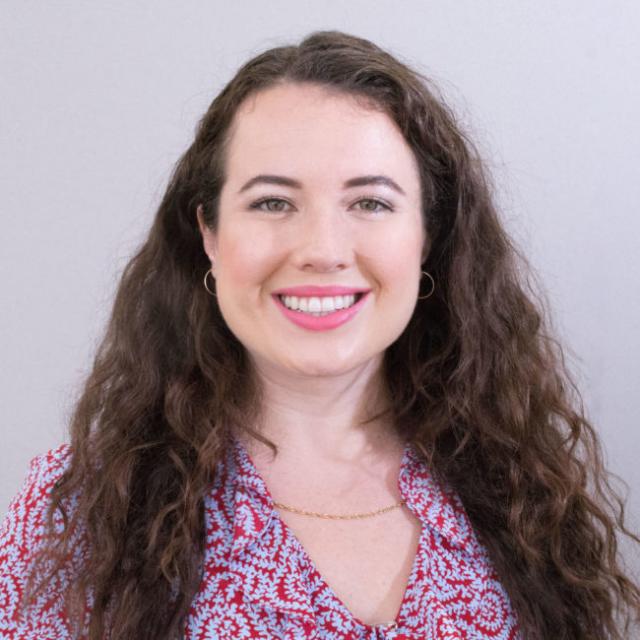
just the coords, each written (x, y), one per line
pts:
(277, 205)
(277, 209)
(373, 204)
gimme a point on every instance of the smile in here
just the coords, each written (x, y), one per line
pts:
(319, 305)
(320, 313)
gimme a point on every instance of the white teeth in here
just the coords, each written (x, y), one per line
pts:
(316, 305)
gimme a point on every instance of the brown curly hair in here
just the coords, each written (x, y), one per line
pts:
(476, 381)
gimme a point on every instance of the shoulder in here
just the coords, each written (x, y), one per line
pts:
(24, 527)
(27, 511)
(45, 469)
(33, 496)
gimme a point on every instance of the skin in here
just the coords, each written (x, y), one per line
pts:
(317, 384)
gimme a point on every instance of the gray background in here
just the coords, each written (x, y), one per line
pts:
(99, 99)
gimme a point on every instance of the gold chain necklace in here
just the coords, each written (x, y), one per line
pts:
(354, 516)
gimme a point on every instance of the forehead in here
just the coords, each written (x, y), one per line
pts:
(299, 128)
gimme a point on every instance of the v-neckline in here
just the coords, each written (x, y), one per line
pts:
(274, 515)
(327, 588)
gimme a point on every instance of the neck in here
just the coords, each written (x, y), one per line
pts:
(322, 416)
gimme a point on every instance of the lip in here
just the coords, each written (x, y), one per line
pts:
(321, 323)
(314, 290)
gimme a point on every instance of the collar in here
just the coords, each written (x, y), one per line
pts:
(265, 563)
(254, 508)
(431, 500)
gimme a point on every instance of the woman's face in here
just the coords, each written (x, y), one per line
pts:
(316, 221)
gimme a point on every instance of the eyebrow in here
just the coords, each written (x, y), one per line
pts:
(360, 181)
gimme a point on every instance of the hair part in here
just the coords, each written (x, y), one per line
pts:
(478, 385)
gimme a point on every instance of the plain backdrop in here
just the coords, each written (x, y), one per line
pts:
(99, 99)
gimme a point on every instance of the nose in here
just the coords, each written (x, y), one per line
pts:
(325, 241)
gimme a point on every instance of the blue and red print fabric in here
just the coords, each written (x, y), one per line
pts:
(259, 582)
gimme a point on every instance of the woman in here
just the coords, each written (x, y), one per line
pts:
(326, 405)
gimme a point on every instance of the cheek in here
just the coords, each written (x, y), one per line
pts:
(247, 258)
(397, 256)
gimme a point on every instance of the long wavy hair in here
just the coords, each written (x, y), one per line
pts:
(477, 383)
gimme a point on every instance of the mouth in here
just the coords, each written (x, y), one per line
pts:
(318, 306)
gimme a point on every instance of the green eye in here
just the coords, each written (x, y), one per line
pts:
(278, 201)
(277, 205)
(375, 204)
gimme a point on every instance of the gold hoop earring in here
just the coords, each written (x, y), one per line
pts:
(433, 286)
(205, 283)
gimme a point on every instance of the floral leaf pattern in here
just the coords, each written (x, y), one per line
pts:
(259, 583)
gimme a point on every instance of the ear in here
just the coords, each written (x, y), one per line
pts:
(209, 238)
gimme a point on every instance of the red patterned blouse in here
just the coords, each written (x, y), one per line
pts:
(258, 581)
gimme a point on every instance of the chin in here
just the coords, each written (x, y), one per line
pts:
(329, 364)
(317, 369)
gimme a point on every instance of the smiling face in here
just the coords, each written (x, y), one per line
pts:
(315, 222)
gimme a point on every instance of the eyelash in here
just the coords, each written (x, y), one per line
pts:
(382, 203)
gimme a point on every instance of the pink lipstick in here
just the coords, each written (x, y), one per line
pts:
(314, 290)
(332, 319)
